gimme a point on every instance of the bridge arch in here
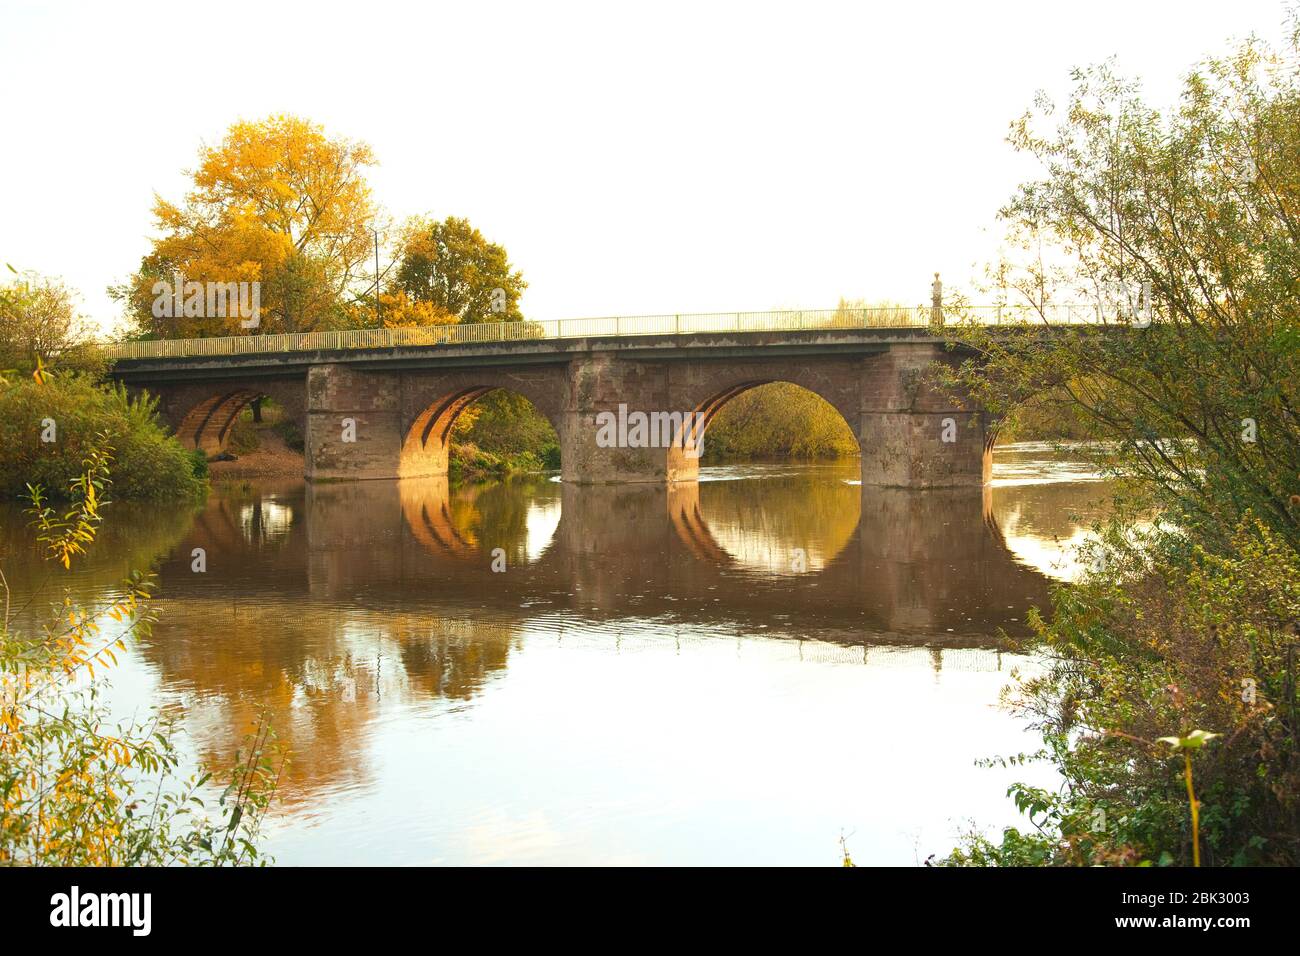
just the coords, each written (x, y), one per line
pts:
(433, 407)
(204, 416)
(207, 425)
(684, 461)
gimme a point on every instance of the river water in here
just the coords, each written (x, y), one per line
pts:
(737, 671)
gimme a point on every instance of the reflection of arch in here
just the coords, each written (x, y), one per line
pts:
(470, 522)
(683, 467)
(689, 524)
(426, 506)
(808, 520)
(218, 525)
(426, 442)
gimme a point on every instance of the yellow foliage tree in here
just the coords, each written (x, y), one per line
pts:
(400, 311)
(277, 202)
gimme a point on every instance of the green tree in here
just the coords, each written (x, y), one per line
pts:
(1182, 228)
(447, 272)
(1196, 212)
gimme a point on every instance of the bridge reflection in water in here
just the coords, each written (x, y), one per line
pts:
(324, 604)
(799, 556)
(321, 601)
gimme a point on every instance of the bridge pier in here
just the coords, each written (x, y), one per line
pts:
(914, 435)
(943, 449)
(606, 390)
(354, 424)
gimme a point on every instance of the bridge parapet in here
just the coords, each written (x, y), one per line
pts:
(533, 330)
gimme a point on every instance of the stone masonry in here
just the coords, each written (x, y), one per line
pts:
(390, 415)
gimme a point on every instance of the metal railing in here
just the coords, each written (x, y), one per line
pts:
(531, 330)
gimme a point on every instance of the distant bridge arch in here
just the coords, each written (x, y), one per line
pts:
(203, 411)
(706, 390)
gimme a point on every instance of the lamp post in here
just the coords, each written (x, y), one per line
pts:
(379, 309)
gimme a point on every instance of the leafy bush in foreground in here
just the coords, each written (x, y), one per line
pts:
(77, 789)
(1186, 634)
(50, 423)
(1167, 638)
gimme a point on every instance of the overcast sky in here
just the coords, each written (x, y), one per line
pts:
(632, 159)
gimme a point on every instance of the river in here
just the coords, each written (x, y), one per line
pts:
(738, 671)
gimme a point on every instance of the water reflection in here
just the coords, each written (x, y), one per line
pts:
(880, 562)
(360, 613)
(1044, 503)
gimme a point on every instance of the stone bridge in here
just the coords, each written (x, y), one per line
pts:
(387, 411)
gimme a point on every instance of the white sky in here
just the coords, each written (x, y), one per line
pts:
(658, 158)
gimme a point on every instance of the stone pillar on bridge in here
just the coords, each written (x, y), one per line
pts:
(936, 303)
(354, 424)
(913, 435)
(599, 384)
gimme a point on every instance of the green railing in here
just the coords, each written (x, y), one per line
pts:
(610, 326)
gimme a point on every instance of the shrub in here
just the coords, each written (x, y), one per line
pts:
(470, 463)
(74, 411)
(287, 429)
(243, 437)
(1190, 628)
(80, 789)
(504, 423)
(1165, 639)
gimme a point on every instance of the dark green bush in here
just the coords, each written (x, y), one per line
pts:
(287, 429)
(74, 410)
(243, 436)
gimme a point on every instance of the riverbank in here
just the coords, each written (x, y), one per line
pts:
(52, 423)
(269, 457)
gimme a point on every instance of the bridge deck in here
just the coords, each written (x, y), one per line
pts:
(531, 330)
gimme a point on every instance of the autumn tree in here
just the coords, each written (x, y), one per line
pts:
(278, 202)
(40, 317)
(447, 272)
